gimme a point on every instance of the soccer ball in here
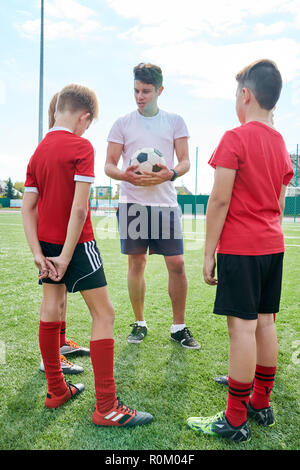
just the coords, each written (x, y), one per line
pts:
(147, 159)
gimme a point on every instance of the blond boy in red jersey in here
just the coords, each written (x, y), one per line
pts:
(61, 239)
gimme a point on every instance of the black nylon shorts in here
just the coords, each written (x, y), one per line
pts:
(248, 285)
(85, 270)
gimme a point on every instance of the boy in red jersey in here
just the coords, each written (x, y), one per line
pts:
(243, 224)
(67, 347)
(61, 239)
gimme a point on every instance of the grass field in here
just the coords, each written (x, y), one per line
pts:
(157, 376)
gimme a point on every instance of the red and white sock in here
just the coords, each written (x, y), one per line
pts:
(263, 384)
(237, 402)
(102, 357)
(49, 333)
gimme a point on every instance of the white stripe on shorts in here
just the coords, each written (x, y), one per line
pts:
(96, 255)
(87, 250)
(92, 255)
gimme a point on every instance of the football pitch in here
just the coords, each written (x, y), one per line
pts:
(157, 376)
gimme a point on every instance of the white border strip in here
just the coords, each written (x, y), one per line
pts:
(84, 179)
(29, 189)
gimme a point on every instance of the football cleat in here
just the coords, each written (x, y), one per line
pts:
(70, 348)
(66, 366)
(222, 380)
(218, 425)
(264, 417)
(185, 338)
(53, 401)
(121, 415)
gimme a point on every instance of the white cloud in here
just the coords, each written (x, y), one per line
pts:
(68, 9)
(66, 19)
(209, 70)
(216, 17)
(188, 39)
(262, 29)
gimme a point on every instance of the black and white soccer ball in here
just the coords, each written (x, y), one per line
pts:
(147, 159)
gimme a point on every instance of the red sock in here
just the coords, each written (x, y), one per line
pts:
(263, 384)
(63, 338)
(49, 346)
(237, 402)
(102, 357)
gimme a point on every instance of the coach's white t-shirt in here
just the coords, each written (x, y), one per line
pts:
(136, 131)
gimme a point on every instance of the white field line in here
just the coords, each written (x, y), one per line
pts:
(184, 233)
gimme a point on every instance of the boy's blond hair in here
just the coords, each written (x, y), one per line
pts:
(263, 78)
(75, 98)
(51, 110)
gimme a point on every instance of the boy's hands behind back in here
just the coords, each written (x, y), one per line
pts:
(57, 267)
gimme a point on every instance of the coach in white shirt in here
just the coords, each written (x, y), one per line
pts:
(148, 213)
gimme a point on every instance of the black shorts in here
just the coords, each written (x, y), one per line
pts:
(150, 227)
(85, 270)
(248, 285)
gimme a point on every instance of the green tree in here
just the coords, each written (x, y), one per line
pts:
(19, 186)
(9, 190)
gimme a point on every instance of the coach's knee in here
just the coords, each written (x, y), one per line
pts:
(176, 265)
(137, 264)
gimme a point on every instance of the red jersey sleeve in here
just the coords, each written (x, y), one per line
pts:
(30, 183)
(84, 163)
(289, 172)
(228, 152)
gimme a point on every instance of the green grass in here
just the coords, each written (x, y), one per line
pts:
(157, 376)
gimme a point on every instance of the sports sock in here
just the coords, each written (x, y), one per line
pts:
(49, 333)
(263, 384)
(141, 323)
(237, 402)
(178, 327)
(63, 338)
(102, 357)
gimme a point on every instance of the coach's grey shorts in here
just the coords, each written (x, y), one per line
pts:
(150, 227)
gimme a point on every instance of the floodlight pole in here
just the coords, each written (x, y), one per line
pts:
(41, 92)
(196, 182)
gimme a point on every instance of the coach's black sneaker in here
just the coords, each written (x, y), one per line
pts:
(264, 417)
(137, 334)
(185, 338)
(218, 425)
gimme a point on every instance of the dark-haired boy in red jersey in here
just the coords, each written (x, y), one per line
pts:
(61, 239)
(243, 224)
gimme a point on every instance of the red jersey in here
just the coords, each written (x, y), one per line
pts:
(61, 159)
(259, 154)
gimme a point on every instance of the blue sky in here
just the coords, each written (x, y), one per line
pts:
(199, 45)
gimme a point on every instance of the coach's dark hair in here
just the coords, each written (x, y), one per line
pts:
(263, 78)
(148, 73)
